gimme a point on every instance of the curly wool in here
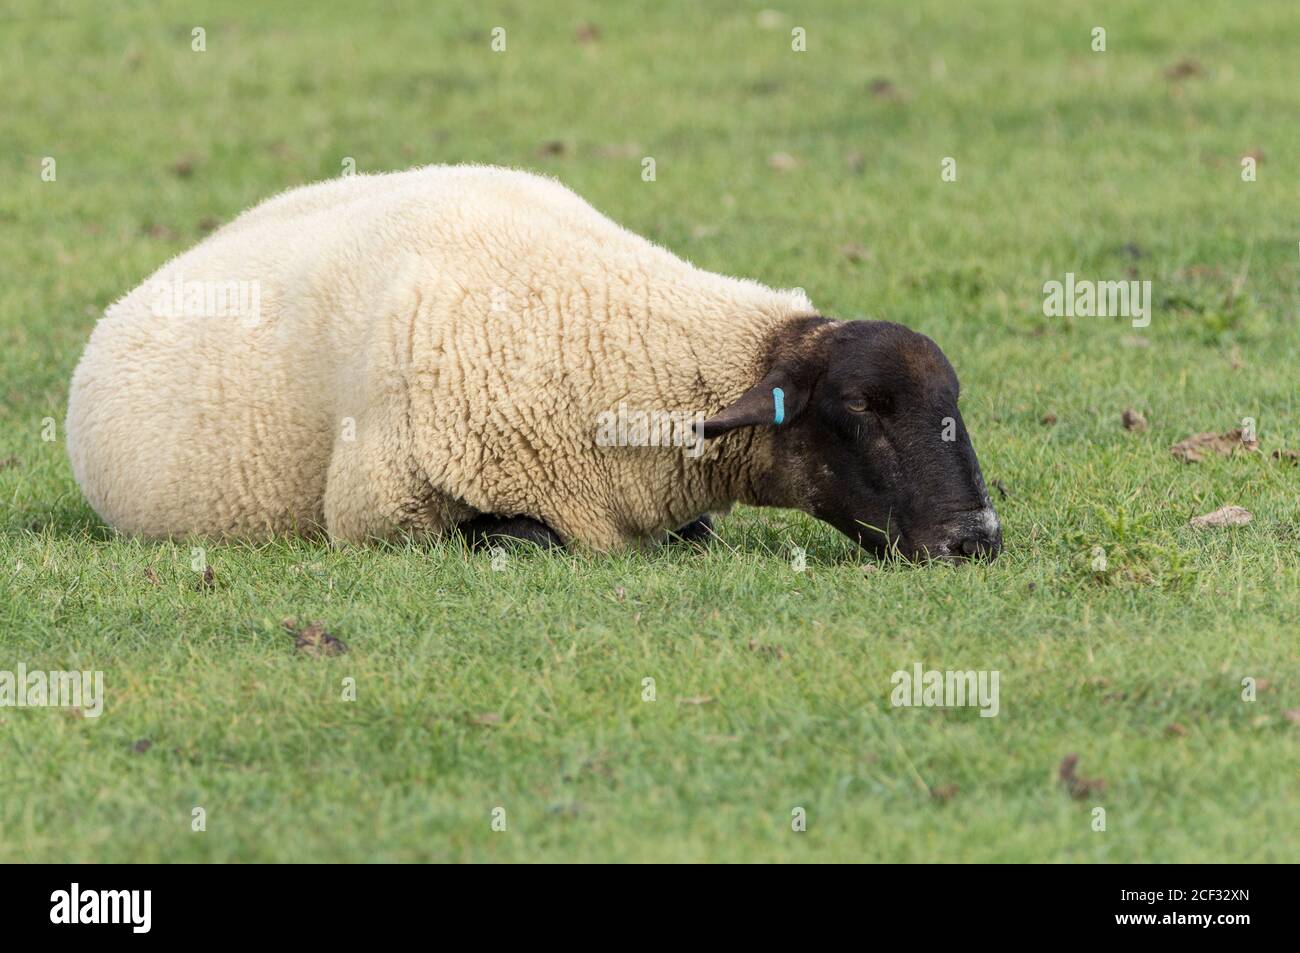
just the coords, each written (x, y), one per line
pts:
(417, 348)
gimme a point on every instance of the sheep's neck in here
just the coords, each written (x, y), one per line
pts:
(754, 464)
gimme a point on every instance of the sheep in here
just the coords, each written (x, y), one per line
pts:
(440, 349)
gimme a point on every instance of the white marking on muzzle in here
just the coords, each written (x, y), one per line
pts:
(989, 521)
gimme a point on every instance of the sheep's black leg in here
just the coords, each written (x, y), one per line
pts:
(488, 530)
(699, 530)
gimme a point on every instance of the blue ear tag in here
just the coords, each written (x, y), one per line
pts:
(778, 406)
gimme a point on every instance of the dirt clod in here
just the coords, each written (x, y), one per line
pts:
(313, 640)
(1134, 421)
(882, 88)
(1224, 516)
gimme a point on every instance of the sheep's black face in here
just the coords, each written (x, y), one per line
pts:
(884, 451)
(871, 441)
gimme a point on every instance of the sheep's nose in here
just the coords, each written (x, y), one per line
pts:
(980, 545)
(980, 538)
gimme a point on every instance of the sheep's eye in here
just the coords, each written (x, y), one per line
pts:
(856, 406)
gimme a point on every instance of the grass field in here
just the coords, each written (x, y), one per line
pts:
(520, 687)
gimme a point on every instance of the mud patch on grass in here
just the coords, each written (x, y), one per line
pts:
(1186, 68)
(1077, 786)
(1224, 516)
(944, 793)
(1199, 446)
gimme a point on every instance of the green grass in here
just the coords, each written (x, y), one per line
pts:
(521, 688)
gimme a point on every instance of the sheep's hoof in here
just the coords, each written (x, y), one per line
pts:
(484, 532)
(699, 530)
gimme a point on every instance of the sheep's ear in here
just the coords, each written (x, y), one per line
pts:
(775, 400)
